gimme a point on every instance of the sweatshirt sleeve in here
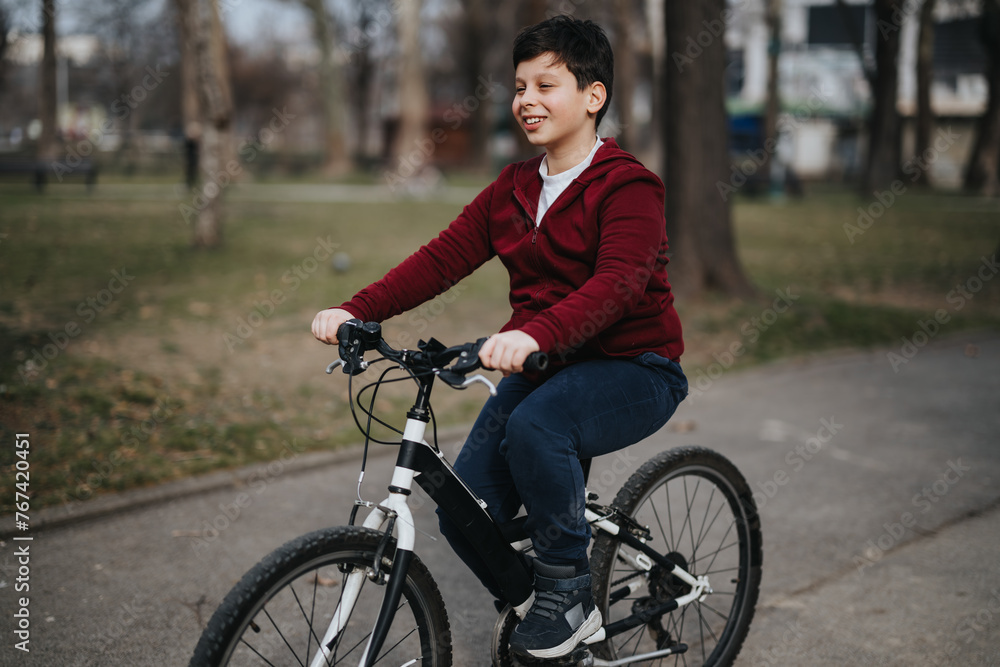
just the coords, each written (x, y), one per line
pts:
(631, 246)
(433, 269)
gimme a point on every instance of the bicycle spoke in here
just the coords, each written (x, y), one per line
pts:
(393, 647)
(364, 640)
(721, 549)
(708, 528)
(283, 638)
(689, 518)
(713, 555)
(307, 618)
(244, 641)
(702, 528)
(659, 522)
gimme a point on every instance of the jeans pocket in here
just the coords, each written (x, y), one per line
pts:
(669, 370)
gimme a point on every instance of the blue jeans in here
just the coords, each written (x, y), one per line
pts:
(525, 448)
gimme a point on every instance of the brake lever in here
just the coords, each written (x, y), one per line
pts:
(478, 378)
(334, 365)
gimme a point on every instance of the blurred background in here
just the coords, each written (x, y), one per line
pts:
(184, 183)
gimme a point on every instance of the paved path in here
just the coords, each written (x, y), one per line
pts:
(881, 547)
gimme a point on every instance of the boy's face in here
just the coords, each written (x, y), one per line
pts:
(550, 107)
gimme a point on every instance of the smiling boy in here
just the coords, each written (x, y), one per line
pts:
(581, 233)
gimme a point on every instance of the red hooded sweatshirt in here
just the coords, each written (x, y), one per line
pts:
(589, 282)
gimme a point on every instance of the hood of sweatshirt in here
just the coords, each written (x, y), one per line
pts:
(528, 182)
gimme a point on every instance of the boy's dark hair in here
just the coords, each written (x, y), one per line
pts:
(580, 45)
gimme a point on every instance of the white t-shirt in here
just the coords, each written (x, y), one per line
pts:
(553, 186)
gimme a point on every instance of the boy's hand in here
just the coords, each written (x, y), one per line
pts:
(507, 351)
(326, 323)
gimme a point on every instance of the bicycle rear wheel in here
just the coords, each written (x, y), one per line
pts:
(699, 511)
(281, 609)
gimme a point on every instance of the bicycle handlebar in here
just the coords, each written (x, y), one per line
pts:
(357, 337)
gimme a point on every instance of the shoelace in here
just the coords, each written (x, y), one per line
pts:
(546, 604)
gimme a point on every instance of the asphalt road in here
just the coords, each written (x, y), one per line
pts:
(879, 493)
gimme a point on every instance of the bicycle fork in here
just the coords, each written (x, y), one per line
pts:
(393, 512)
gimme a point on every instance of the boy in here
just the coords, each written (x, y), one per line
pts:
(582, 235)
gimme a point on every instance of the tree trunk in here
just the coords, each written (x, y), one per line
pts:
(925, 76)
(4, 28)
(526, 13)
(883, 151)
(696, 132)
(336, 158)
(190, 99)
(625, 66)
(853, 30)
(772, 104)
(47, 100)
(474, 47)
(215, 159)
(653, 12)
(981, 174)
(531, 12)
(414, 103)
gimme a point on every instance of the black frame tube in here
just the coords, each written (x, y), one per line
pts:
(440, 481)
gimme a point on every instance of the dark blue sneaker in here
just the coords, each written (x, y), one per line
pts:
(562, 615)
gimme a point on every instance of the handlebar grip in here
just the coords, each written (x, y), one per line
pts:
(536, 362)
(344, 330)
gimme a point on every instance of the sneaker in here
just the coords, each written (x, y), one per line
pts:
(562, 615)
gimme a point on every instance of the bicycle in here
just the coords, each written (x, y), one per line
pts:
(675, 559)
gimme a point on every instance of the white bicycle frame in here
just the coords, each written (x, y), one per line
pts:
(395, 507)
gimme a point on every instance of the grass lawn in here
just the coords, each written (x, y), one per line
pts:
(131, 359)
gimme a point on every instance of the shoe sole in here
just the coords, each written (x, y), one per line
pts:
(589, 627)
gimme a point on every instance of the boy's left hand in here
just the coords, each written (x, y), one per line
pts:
(507, 351)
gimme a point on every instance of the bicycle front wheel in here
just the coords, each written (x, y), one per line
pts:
(282, 609)
(699, 512)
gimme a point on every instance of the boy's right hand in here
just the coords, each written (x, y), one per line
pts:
(326, 323)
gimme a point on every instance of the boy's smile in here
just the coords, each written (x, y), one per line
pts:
(554, 112)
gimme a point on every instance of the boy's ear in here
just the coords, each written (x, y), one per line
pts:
(597, 97)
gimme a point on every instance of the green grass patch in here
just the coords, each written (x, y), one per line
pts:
(132, 359)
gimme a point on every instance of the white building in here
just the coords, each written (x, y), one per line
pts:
(822, 85)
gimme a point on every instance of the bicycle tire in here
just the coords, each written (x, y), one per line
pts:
(254, 624)
(700, 511)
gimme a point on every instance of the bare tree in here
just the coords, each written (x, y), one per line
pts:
(4, 29)
(981, 174)
(625, 74)
(124, 39)
(336, 158)
(883, 152)
(699, 222)
(772, 104)
(653, 15)
(203, 27)
(476, 38)
(531, 12)
(190, 97)
(414, 102)
(362, 72)
(47, 100)
(925, 76)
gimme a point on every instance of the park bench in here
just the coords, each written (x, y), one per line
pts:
(41, 171)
